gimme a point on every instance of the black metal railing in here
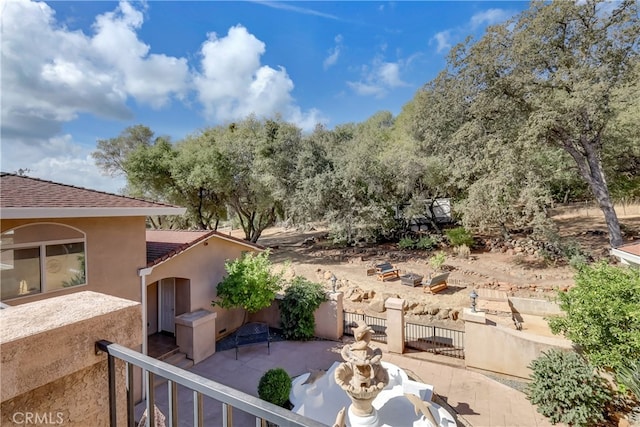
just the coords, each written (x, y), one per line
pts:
(434, 339)
(378, 324)
(201, 387)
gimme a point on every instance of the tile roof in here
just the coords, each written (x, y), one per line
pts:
(165, 244)
(24, 192)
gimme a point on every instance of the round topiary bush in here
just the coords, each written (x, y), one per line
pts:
(275, 386)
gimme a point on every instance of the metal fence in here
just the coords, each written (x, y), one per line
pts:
(199, 387)
(434, 339)
(378, 324)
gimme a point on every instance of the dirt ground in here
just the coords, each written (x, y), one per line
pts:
(310, 255)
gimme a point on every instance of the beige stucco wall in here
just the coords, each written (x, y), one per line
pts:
(203, 266)
(50, 367)
(329, 317)
(536, 307)
(501, 349)
(115, 250)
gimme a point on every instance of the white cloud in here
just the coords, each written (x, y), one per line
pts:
(442, 40)
(378, 78)
(233, 84)
(66, 74)
(59, 159)
(334, 53)
(489, 17)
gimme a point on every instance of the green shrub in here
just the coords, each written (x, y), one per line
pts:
(249, 283)
(437, 260)
(275, 386)
(567, 390)
(426, 243)
(577, 261)
(628, 376)
(406, 243)
(463, 251)
(459, 236)
(601, 314)
(301, 300)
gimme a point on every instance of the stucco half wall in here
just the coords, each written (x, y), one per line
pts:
(50, 367)
(202, 265)
(500, 349)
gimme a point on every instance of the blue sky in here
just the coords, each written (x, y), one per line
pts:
(77, 72)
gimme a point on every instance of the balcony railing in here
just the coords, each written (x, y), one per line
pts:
(228, 397)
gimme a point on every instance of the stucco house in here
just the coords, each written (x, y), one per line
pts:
(59, 239)
(182, 272)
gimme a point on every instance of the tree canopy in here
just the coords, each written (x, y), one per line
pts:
(542, 109)
(550, 76)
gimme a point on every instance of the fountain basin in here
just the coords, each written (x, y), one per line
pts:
(320, 398)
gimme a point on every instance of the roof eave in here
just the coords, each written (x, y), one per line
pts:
(626, 256)
(33, 213)
(205, 238)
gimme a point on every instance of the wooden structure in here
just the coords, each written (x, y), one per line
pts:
(386, 271)
(436, 283)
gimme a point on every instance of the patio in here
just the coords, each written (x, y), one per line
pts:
(477, 399)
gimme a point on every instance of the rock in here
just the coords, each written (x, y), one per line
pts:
(410, 305)
(454, 314)
(356, 297)
(443, 314)
(433, 311)
(327, 275)
(377, 305)
(419, 309)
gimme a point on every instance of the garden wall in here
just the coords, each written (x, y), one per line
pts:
(497, 348)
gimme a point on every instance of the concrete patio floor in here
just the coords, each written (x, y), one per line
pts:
(476, 399)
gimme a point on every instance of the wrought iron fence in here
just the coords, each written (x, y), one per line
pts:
(200, 388)
(378, 324)
(434, 339)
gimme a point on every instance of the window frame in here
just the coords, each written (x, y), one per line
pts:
(42, 250)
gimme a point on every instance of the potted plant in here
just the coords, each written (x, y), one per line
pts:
(437, 261)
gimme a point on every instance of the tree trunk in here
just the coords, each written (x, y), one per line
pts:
(601, 193)
(590, 168)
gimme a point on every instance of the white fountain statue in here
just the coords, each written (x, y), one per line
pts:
(377, 393)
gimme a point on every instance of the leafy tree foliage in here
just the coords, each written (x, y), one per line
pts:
(567, 389)
(549, 76)
(250, 148)
(112, 152)
(249, 283)
(301, 299)
(542, 108)
(602, 314)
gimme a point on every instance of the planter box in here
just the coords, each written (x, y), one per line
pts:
(411, 279)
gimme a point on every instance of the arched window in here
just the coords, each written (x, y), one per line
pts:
(40, 258)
